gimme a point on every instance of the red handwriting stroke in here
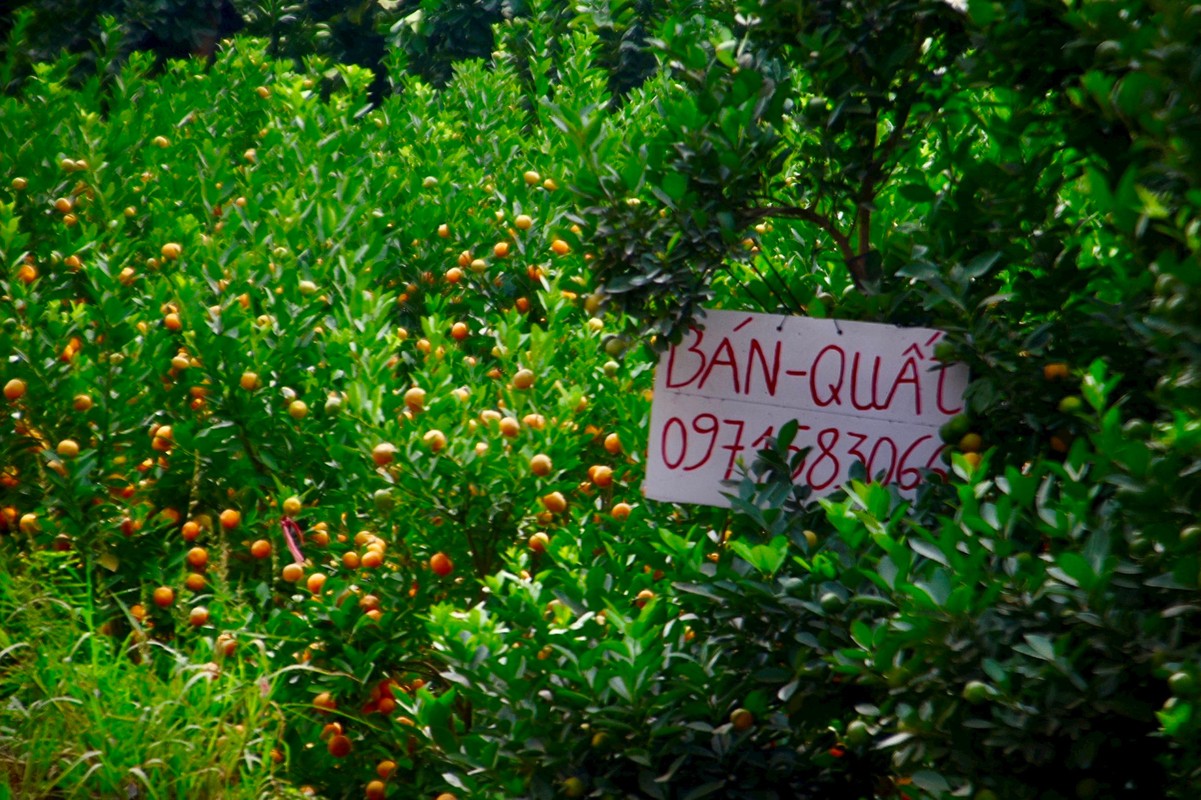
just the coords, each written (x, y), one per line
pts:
(836, 377)
(690, 445)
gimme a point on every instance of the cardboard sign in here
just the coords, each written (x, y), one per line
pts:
(860, 392)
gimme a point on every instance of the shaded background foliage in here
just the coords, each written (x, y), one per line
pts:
(430, 35)
(169, 28)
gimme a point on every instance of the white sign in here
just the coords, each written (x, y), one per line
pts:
(860, 392)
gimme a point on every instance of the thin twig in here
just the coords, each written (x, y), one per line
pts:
(810, 216)
(797, 305)
(194, 487)
(855, 265)
(779, 297)
(882, 154)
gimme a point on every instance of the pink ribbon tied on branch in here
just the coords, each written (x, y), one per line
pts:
(294, 536)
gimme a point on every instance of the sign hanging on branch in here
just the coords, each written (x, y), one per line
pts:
(859, 391)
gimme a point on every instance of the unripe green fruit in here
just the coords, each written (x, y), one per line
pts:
(955, 428)
(1071, 404)
(1182, 684)
(384, 501)
(858, 733)
(614, 346)
(976, 692)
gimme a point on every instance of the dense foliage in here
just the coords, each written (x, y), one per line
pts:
(249, 311)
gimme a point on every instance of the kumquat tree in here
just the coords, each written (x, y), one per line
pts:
(339, 338)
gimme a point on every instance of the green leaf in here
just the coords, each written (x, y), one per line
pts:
(767, 558)
(917, 193)
(984, 12)
(930, 781)
(921, 270)
(1175, 719)
(861, 634)
(1077, 568)
(674, 185)
(981, 264)
(1040, 646)
(928, 550)
(995, 671)
(705, 790)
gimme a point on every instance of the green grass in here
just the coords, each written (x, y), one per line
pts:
(84, 715)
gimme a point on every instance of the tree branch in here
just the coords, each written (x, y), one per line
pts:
(808, 215)
(855, 265)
